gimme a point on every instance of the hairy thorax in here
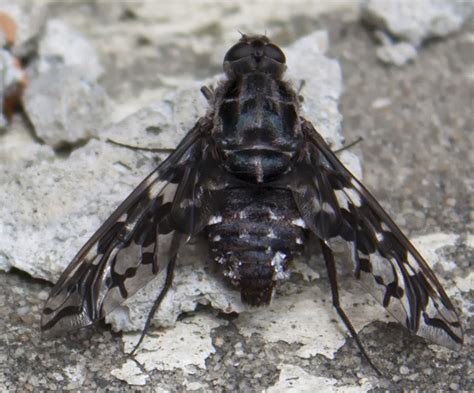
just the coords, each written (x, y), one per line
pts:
(256, 128)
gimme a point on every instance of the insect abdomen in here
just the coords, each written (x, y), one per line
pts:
(255, 239)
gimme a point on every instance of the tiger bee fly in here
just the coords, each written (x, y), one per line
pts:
(256, 179)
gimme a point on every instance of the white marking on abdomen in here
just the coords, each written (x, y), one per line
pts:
(278, 262)
(271, 234)
(242, 215)
(272, 215)
(215, 220)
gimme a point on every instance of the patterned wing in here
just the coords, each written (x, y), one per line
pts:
(134, 245)
(334, 203)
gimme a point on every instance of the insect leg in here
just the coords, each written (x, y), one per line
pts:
(159, 299)
(331, 267)
(152, 149)
(207, 92)
(346, 147)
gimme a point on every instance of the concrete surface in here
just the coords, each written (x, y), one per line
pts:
(417, 157)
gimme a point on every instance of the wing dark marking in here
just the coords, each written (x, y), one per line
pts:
(132, 246)
(385, 261)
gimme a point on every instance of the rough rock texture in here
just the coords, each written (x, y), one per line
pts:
(71, 206)
(389, 52)
(63, 99)
(416, 21)
(65, 107)
(397, 54)
(294, 378)
(61, 46)
(416, 122)
(413, 22)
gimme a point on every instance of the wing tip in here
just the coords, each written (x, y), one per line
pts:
(446, 338)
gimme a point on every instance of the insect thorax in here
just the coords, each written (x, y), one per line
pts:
(256, 126)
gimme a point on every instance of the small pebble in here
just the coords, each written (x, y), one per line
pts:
(404, 370)
(414, 377)
(428, 371)
(382, 102)
(451, 202)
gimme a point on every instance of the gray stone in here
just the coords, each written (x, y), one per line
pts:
(322, 87)
(416, 21)
(63, 100)
(390, 52)
(18, 150)
(53, 205)
(294, 379)
(64, 107)
(163, 123)
(466, 50)
(60, 46)
(397, 54)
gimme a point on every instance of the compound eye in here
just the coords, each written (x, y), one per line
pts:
(238, 51)
(275, 53)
